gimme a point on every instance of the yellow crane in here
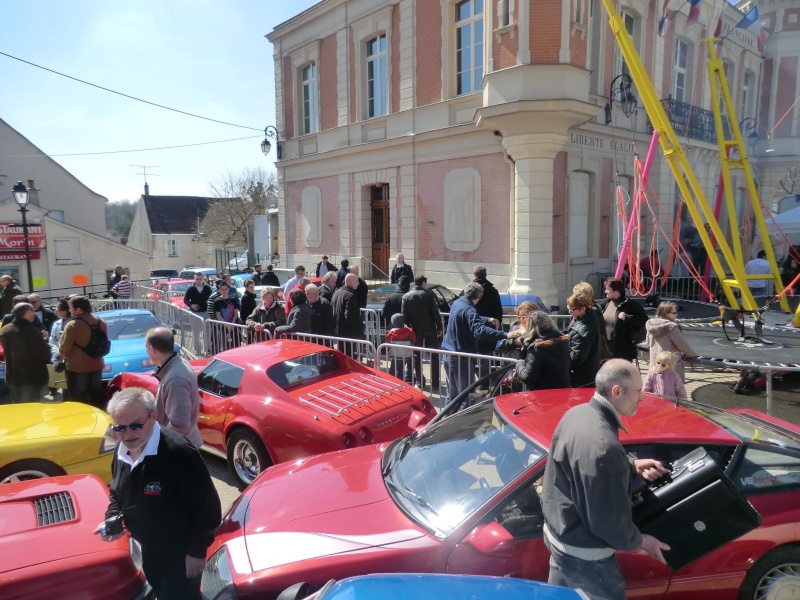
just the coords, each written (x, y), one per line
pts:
(692, 192)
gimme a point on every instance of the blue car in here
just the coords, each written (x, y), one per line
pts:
(510, 302)
(126, 330)
(433, 587)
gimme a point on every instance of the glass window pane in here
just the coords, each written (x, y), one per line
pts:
(463, 10)
(478, 7)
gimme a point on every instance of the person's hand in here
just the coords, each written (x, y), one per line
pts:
(649, 469)
(654, 547)
(45, 334)
(108, 538)
(194, 566)
(621, 316)
(258, 327)
(494, 323)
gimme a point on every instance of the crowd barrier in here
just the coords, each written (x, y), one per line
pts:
(362, 351)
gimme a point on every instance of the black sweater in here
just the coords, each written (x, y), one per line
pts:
(168, 501)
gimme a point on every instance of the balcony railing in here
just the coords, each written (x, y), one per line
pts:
(691, 121)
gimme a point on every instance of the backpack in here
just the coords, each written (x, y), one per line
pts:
(99, 345)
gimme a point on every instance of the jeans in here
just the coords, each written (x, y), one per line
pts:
(599, 579)
(86, 387)
(26, 393)
(460, 374)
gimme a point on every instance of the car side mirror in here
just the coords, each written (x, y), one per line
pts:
(489, 538)
(418, 420)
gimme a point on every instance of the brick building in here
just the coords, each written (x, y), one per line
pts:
(469, 131)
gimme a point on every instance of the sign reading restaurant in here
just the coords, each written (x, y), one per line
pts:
(13, 238)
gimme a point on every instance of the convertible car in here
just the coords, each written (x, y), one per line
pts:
(49, 549)
(47, 439)
(283, 400)
(462, 497)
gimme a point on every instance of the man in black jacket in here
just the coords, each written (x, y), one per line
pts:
(162, 491)
(270, 278)
(402, 269)
(321, 311)
(26, 354)
(490, 307)
(196, 297)
(394, 301)
(347, 315)
(624, 320)
(45, 316)
(342, 273)
(421, 313)
(361, 291)
(323, 267)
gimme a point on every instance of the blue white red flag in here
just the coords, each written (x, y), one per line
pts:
(663, 22)
(752, 23)
(694, 12)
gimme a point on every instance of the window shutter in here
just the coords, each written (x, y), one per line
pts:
(166, 247)
(178, 247)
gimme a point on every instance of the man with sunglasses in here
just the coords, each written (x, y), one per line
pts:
(162, 493)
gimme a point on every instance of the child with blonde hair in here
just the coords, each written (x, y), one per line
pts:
(663, 380)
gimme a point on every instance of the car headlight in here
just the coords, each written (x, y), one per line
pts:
(217, 581)
(147, 363)
(107, 369)
(108, 443)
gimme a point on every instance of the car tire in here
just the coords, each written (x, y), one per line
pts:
(30, 468)
(247, 457)
(775, 575)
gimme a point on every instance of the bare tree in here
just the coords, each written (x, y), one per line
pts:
(789, 183)
(243, 195)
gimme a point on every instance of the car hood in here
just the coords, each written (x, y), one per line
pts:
(322, 506)
(34, 421)
(26, 540)
(127, 347)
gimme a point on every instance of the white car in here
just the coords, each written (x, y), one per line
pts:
(240, 262)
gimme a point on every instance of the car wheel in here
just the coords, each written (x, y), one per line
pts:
(775, 577)
(247, 457)
(32, 468)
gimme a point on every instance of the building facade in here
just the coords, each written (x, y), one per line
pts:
(461, 132)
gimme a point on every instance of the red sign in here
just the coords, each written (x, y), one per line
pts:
(6, 256)
(12, 237)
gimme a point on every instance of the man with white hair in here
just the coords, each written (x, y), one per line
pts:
(401, 268)
(586, 500)
(361, 289)
(46, 316)
(162, 493)
(321, 310)
(346, 314)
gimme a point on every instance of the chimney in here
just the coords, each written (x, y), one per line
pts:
(146, 189)
(33, 193)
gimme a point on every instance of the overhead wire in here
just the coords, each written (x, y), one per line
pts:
(130, 97)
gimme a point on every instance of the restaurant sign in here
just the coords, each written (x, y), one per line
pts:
(12, 237)
(6, 256)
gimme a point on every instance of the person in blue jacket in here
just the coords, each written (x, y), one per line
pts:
(464, 328)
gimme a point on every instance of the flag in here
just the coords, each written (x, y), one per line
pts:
(694, 12)
(752, 23)
(663, 22)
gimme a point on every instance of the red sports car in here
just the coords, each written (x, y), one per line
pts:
(281, 400)
(49, 550)
(173, 290)
(462, 496)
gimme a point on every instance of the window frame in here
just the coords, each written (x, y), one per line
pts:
(678, 70)
(300, 59)
(471, 23)
(309, 102)
(367, 29)
(377, 87)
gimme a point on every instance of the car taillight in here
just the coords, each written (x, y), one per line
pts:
(365, 435)
(348, 440)
(426, 406)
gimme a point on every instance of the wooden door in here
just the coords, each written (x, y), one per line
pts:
(379, 208)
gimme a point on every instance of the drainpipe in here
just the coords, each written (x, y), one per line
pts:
(512, 200)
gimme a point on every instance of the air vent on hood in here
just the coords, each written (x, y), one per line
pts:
(57, 508)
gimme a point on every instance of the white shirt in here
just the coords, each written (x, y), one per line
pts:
(757, 266)
(290, 285)
(150, 448)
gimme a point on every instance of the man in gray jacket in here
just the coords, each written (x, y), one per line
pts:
(177, 399)
(586, 491)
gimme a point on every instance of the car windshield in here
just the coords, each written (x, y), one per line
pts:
(302, 371)
(443, 475)
(748, 428)
(130, 326)
(180, 287)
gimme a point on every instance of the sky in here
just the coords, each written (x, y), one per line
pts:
(206, 57)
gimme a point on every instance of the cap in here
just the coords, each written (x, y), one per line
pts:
(397, 320)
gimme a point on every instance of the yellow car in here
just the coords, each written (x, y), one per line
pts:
(47, 439)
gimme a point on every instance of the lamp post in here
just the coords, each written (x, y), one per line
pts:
(750, 125)
(623, 94)
(272, 132)
(21, 198)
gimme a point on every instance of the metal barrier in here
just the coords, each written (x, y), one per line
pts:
(374, 328)
(361, 350)
(188, 327)
(99, 304)
(220, 336)
(140, 292)
(441, 374)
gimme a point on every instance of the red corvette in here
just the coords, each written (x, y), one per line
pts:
(462, 496)
(173, 289)
(281, 400)
(49, 550)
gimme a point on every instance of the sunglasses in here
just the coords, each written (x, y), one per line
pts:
(132, 426)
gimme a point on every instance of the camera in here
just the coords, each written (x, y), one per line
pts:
(112, 526)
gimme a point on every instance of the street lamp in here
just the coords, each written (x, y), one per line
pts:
(623, 94)
(272, 132)
(751, 125)
(21, 198)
